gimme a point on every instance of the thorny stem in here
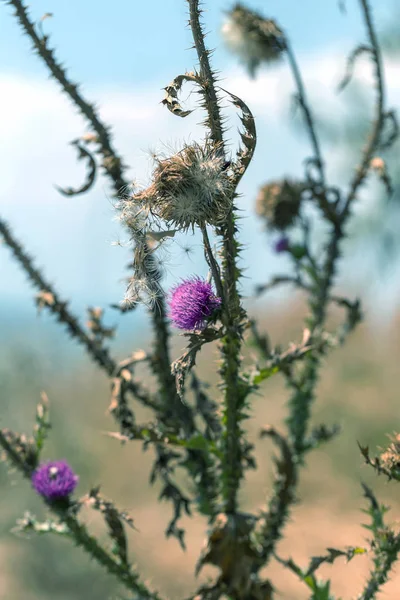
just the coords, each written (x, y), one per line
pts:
(302, 98)
(379, 575)
(174, 410)
(59, 308)
(113, 166)
(305, 383)
(373, 140)
(112, 163)
(82, 537)
(215, 271)
(207, 76)
(234, 389)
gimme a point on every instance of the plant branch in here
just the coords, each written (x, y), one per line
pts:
(235, 389)
(215, 270)
(374, 137)
(50, 299)
(308, 118)
(304, 385)
(206, 74)
(112, 162)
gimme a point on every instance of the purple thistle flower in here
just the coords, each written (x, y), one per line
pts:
(191, 303)
(54, 480)
(282, 245)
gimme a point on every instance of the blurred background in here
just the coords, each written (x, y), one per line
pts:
(124, 55)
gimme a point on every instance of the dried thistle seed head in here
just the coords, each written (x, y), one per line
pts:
(189, 188)
(279, 203)
(254, 39)
(390, 458)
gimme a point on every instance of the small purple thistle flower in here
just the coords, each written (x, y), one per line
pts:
(191, 303)
(282, 245)
(54, 480)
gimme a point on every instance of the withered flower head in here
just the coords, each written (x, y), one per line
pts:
(279, 203)
(189, 188)
(390, 458)
(254, 39)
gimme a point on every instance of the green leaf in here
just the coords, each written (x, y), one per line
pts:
(265, 374)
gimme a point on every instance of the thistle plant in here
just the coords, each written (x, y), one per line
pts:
(195, 189)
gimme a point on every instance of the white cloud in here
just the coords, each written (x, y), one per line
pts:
(73, 235)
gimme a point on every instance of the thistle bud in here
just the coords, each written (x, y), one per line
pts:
(254, 39)
(282, 245)
(279, 203)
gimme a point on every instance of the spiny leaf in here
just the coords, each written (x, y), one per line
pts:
(351, 61)
(83, 153)
(42, 424)
(172, 91)
(248, 136)
(114, 520)
(181, 367)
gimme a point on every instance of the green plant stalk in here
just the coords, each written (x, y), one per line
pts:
(208, 78)
(113, 166)
(309, 121)
(232, 314)
(304, 387)
(379, 575)
(174, 411)
(112, 161)
(214, 267)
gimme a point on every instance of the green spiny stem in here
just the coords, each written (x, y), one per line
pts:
(113, 168)
(302, 398)
(174, 410)
(112, 162)
(373, 140)
(308, 118)
(215, 271)
(80, 534)
(235, 389)
(383, 564)
(208, 77)
(304, 387)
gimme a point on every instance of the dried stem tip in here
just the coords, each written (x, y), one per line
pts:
(192, 302)
(189, 188)
(279, 203)
(254, 39)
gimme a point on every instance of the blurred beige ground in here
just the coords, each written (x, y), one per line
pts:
(358, 388)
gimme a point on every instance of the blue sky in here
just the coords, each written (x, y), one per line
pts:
(124, 53)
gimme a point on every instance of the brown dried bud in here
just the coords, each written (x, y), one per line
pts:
(252, 37)
(390, 458)
(279, 203)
